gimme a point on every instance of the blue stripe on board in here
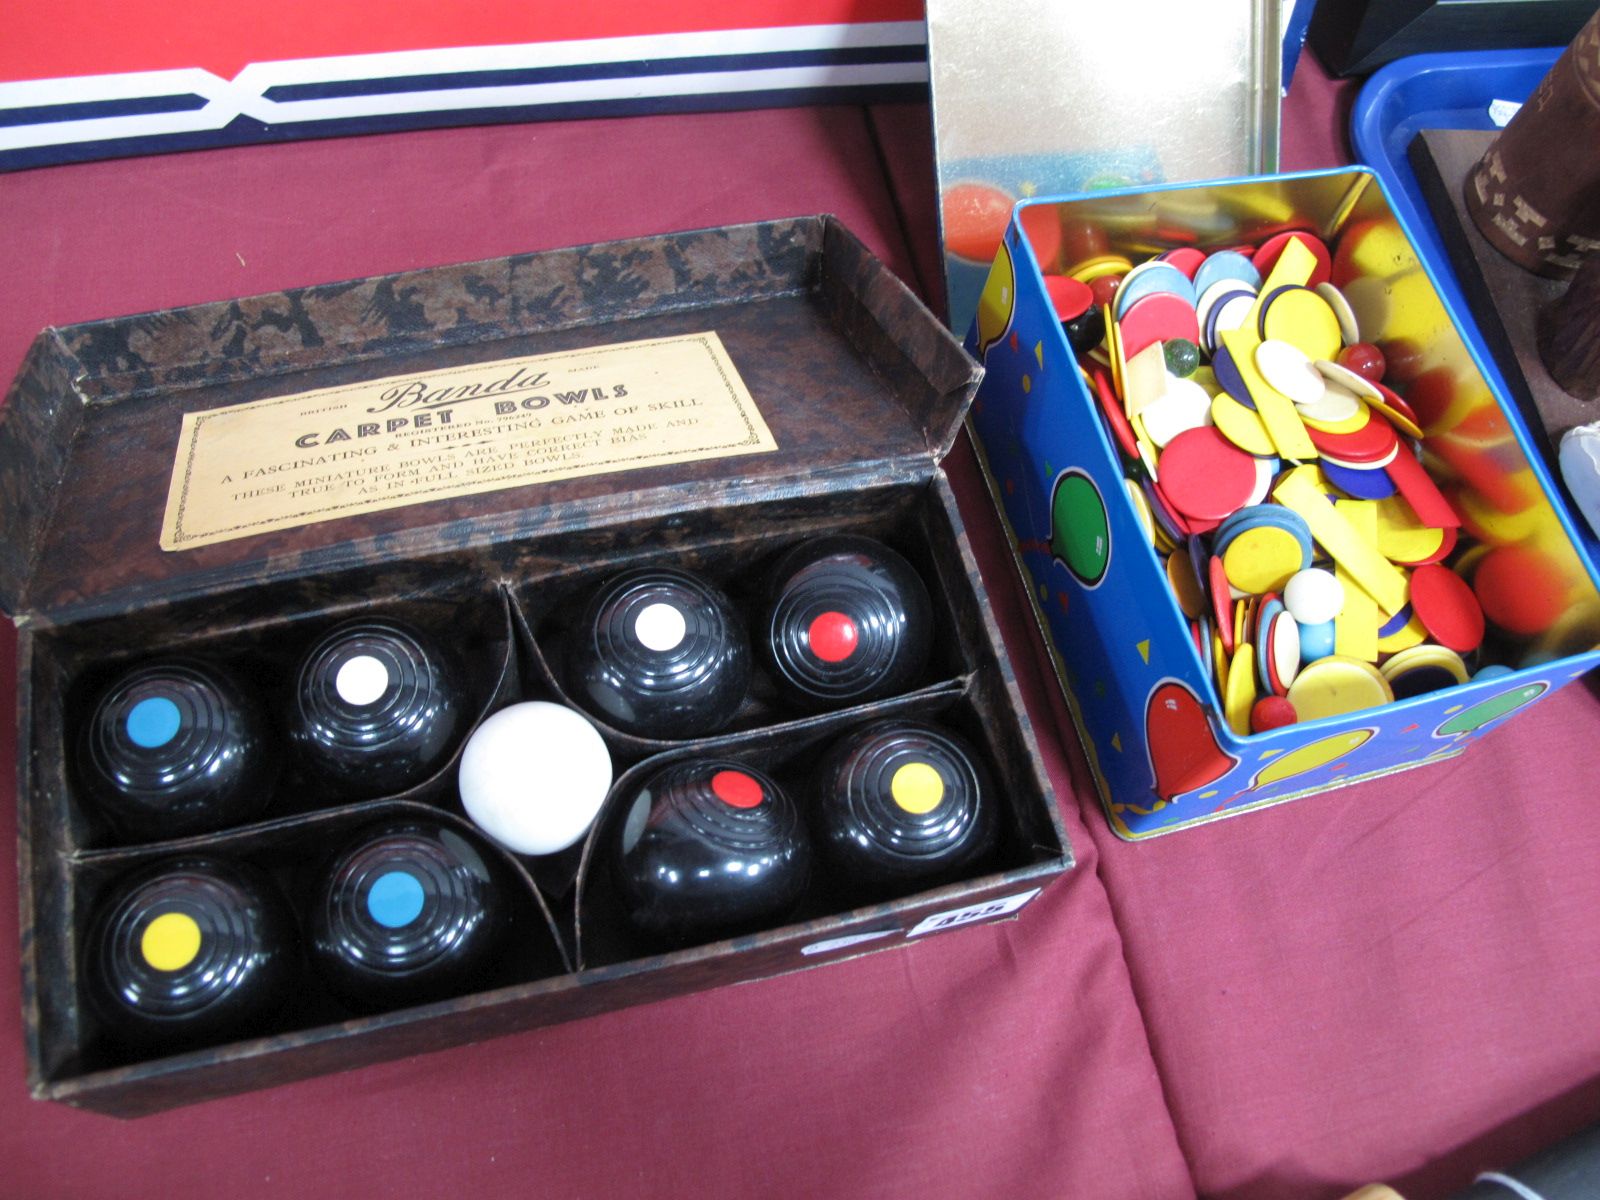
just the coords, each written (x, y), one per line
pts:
(582, 72)
(86, 110)
(248, 131)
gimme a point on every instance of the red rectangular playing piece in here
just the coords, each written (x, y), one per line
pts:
(1424, 496)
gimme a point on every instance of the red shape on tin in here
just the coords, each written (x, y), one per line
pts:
(975, 218)
(1522, 590)
(1184, 753)
(1041, 225)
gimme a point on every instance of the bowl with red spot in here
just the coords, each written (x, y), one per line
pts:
(847, 620)
(708, 848)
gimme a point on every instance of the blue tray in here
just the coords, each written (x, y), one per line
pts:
(1435, 91)
(1446, 91)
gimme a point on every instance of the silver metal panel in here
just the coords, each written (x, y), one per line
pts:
(1048, 97)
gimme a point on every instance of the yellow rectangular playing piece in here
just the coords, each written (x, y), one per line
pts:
(1376, 575)
(1113, 345)
(1276, 410)
(1355, 629)
(1363, 518)
(1293, 269)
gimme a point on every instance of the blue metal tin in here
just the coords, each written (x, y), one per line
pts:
(1145, 703)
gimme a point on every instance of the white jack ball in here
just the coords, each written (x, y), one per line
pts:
(534, 775)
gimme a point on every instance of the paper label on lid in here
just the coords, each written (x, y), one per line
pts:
(405, 439)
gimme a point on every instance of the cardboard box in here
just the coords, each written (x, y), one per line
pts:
(862, 393)
(1146, 704)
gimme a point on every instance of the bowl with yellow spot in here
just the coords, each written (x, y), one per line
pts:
(902, 804)
(189, 950)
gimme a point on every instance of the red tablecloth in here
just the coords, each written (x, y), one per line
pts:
(1398, 980)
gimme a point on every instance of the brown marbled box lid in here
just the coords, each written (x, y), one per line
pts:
(850, 371)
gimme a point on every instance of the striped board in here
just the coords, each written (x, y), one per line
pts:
(88, 79)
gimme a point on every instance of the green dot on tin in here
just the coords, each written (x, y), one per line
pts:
(1080, 535)
(1480, 714)
(1182, 357)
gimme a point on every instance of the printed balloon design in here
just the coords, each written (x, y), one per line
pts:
(1080, 532)
(1184, 753)
(1311, 756)
(996, 303)
(975, 217)
(1470, 720)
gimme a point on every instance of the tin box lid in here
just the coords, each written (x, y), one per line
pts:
(855, 380)
(1035, 97)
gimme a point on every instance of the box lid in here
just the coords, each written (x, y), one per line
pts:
(855, 379)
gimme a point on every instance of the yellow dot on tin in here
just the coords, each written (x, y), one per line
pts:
(1027, 384)
(170, 942)
(917, 787)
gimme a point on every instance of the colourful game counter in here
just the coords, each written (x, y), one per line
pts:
(1393, 981)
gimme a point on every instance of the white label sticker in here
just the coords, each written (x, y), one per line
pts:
(1501, 112)
(973, 912)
